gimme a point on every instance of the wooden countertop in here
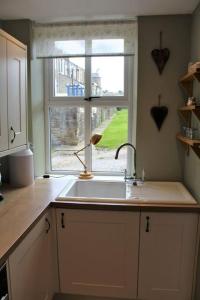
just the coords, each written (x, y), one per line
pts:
(22, 207)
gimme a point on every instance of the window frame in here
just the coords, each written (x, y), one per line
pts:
(113, 101)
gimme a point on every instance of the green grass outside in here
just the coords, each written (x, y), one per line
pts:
(116, 132)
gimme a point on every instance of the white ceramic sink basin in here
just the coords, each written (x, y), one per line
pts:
(93, 190)
(110, 190)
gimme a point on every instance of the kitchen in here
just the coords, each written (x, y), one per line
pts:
(158, 152)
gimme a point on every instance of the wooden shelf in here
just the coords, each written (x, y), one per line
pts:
(188, 108)
(187, 81)
(191, 76)
(194, 144)
(186, 140)
(186, 111)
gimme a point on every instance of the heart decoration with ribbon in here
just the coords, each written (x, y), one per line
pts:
(159, 113)
(160, 56)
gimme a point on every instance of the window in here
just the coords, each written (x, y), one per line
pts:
(71, 120)
(84, 60)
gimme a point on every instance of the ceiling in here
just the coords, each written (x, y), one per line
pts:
(61, 10)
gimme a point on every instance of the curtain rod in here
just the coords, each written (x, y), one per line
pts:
(81, 23)
(90, 55)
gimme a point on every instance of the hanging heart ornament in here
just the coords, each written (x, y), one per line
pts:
(159, 114)
(160, 56)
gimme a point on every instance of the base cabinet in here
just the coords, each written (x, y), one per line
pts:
(31, 265)
(167, 255)
(98, 252)
(128, 255)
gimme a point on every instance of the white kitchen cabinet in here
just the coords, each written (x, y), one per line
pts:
(16, 68)
(3, 96)
(167, 255)
(32, 266)
(98, 252)
(13, 116)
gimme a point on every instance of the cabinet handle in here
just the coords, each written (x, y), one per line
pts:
(49, 225)
(147, 223)
(62, 220)
(14, 134)
(90, 98)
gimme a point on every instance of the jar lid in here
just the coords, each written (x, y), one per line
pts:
(26, 152)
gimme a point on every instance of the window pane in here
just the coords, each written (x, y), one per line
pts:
(108, 46)
(67, 132)
(112, 123)
(107, 76)
(69, 77)
(74, 47)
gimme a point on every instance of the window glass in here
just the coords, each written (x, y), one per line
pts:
(112, 123)
(107, 78)
(107, 46)
(72, 47)
(67, 132)
(71, 122)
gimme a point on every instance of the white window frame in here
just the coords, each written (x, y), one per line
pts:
(119, 101)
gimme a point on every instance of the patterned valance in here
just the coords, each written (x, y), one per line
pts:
(84, 39)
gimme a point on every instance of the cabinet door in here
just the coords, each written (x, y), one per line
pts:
(98, 252)
(16, 67)
(3, 96)
(30, 264)
(167, 253)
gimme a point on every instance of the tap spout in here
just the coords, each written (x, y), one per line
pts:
(123, 145)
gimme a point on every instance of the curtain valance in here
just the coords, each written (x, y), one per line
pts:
(84, 39)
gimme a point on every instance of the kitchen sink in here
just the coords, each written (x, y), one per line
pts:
(83, 190)
(115, 190)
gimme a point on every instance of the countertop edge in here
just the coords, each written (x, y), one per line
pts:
(22, 236)
(129, 207)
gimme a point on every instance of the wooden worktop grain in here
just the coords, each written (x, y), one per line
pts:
(22, 207)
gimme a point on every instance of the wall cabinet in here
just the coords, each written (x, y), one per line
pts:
(32, 264)
(3, 96)
(167, 253)
(98, 252)
(13, 55)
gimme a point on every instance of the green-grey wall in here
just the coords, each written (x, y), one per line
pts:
(37, 108)
(158, 152)
(192, 162)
